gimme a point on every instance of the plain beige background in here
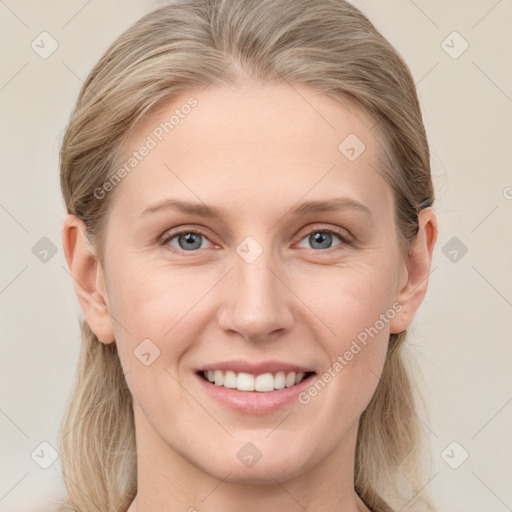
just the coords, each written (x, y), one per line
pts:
(461, 337)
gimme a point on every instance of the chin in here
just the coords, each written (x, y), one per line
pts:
(270, 466)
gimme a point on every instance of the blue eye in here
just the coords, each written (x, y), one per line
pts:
(323, 238)
(187, 240)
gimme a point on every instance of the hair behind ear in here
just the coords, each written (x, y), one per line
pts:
(99, 419)
(389, 437)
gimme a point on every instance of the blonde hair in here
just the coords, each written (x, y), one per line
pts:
(328, 44)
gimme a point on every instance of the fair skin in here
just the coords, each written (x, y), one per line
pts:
(256, 152)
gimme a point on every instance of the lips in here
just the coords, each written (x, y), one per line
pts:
(261, 393)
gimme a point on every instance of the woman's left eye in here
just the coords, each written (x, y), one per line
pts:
(322, 238)
(318, 238)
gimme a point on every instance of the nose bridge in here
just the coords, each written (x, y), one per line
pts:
(256, 302)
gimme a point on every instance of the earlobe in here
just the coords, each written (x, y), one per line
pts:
(88, 277)
(419, 259)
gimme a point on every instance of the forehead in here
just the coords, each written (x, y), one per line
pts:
(251, 141)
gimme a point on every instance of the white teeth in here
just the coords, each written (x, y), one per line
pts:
(230, 380)
(264, 382)
(245, 382)
(280, 380)
(219, 378)
(290, 379)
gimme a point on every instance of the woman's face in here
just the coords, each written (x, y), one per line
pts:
(263, 283)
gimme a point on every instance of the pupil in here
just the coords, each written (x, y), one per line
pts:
(320, 238)
(190, 239)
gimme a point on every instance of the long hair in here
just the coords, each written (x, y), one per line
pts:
(185, 44)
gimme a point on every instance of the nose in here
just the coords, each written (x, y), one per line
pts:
(257, 302)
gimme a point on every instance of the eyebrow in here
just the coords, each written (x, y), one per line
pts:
(305, 208)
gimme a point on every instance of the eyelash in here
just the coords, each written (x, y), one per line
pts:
(345, 239)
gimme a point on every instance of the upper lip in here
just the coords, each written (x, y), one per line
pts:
(240, 365)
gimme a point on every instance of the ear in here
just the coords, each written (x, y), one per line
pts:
(88, 278)
(413, 287)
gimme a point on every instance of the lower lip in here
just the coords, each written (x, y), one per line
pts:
(255, 402)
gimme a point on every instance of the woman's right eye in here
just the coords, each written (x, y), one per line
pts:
(186, 240)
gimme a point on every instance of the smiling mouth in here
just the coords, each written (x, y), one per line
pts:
(263, 383)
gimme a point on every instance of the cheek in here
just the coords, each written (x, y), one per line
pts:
(159, 304)
(350, 299)
(356, 303)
